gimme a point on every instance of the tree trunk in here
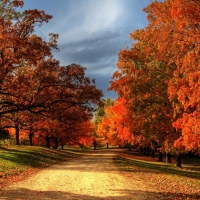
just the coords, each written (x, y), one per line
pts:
(148, 149)
(145, 151)
(178, 160)
(17, 134)
(31, 138)
(56, 142)
(168, 158)
(160, 156)
(62, 146)
(129, 148)
(107, 145)
(47, 141)
(153, 153)
(95, 144)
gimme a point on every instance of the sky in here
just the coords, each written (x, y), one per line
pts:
(92, 32)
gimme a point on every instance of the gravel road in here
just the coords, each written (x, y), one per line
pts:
(93, 176)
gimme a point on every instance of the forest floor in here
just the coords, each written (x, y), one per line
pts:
(99, 175)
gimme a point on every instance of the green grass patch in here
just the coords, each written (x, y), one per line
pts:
(170, 169)
(166, 179)
(17, 159)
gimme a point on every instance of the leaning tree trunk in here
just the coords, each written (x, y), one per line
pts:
(17, 134)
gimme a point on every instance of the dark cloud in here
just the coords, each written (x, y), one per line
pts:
(95, 48)
(94, 39)
(98, 53)
(103, 82)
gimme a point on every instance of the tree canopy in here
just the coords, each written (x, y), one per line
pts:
(157, 81)
(39, 98)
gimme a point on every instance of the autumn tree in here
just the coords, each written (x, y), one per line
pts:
(117, 124)
(32, 81)
(100, 138)
(158, 76)
(174, 25)
(4, 135)
(142, 82)
(19, 46)
(62, 94)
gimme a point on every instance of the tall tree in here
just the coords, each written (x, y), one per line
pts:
(33, 83)
(117, 124)
(99, 137)
(175, 27)
(19, 47)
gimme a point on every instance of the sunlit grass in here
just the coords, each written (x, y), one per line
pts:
(17, 159)
(176, 183)
(189, 169)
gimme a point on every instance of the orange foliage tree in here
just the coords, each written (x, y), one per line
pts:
(20, 49)
(99, 137)
(117, 125)
(63, 94)
(159, 75)
(174, 27)
(34, 88)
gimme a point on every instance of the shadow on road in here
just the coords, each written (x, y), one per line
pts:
(21, 194)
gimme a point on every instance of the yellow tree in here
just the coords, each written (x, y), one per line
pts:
(117, 124)
(99, 137)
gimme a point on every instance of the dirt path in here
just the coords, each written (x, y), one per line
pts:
(91, 177)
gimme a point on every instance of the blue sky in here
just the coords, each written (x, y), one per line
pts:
(91, 32)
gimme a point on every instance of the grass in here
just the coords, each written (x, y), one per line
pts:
(190, 167)
(19, 160)
(167, 179)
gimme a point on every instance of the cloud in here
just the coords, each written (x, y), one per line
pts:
(103, 82)
(93, 49)
(98, 53)
(91, 32)
(75, 19)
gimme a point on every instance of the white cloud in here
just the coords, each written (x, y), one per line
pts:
(101, 15)
(87, 17)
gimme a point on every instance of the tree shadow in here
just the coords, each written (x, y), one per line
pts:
(189, 161)
(89, 163)
(168, 169)
(26, 194)
(34, 159)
